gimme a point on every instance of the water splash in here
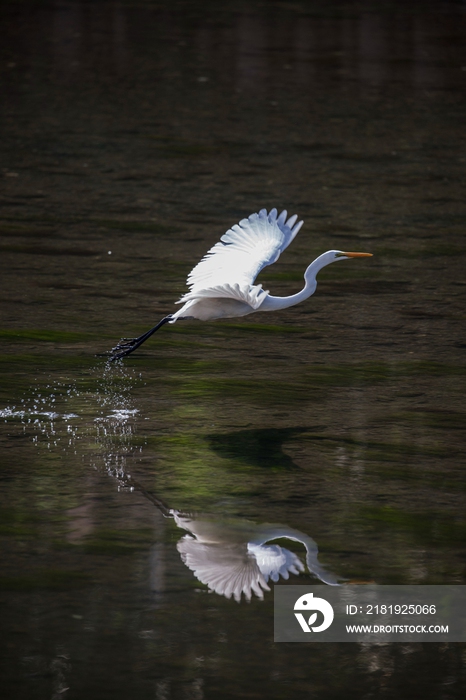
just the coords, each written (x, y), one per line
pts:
(97, 408)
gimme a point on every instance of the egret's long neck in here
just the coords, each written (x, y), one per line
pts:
(272, 303)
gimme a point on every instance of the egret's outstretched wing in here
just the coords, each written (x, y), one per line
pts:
(244, 250)
(227, 570)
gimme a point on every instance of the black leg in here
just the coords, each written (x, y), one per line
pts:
(127, 345)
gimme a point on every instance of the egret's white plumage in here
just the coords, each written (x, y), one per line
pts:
(222, 283)
(243, 251)
(230, 267)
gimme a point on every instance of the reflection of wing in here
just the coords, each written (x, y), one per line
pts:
(233, 557)
(228, 570)
(244, 250)
(267, 532)
(275, 561)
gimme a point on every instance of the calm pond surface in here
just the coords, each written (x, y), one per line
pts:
(134, 134)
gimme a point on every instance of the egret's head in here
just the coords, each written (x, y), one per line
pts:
(339, 254)
(327, 258)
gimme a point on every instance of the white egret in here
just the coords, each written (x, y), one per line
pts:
(222, 283)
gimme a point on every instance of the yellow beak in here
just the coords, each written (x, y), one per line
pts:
(358, 255)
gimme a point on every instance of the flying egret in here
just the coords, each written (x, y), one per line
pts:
(222, 283)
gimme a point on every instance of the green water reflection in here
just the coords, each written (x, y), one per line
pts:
(88, 453)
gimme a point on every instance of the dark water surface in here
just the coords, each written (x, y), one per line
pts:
(133, 135)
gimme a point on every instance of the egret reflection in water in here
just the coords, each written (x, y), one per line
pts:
(234, 557)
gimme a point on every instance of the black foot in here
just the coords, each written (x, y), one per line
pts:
(127, 345)
(124, 347)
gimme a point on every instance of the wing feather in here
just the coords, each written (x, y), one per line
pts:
(228, 571)
(253, 295)
(244, 250)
